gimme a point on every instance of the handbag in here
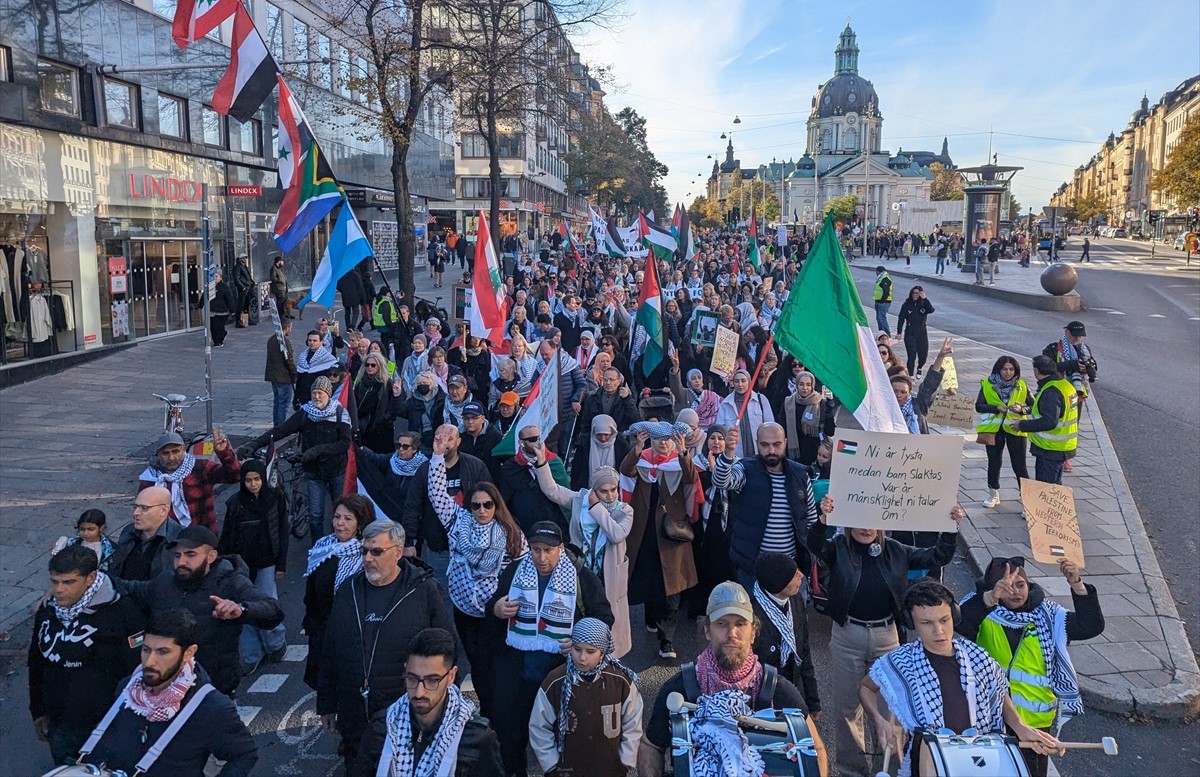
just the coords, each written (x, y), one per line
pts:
(986, 438)
(677, 529)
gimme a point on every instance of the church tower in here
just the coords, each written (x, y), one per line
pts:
(845, 110)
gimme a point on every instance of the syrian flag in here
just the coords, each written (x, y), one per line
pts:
(752, 251)
(823, 324)
(311, 191)
(196, 18)
(489, 302)
(347, 247)
(650, 340)
(540, 408)
(251, 74)
(656, 239)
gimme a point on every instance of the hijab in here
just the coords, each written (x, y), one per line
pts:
(603, 454)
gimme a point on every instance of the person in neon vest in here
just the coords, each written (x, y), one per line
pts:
(1054, 427)
(1027, 633)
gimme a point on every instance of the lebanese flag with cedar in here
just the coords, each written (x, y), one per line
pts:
(489, 302)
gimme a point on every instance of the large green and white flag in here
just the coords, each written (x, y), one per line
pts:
(649, 337)
(824, 325)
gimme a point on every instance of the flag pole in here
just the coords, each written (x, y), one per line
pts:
(762, 358)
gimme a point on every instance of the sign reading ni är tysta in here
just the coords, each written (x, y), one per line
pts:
(894, 481)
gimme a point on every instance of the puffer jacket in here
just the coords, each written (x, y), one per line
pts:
(227, 578)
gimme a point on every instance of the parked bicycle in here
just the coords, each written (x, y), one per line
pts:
(286, 475)
(173, 413)
(425, 309)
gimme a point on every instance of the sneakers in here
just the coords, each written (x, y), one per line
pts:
(993, 500)
(917, 376)
(652, 629)
(275, 656)
(666, 650)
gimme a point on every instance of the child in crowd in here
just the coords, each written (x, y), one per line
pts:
(89, 532)
(587, 717)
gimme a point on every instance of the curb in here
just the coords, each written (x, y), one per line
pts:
(1068, 302)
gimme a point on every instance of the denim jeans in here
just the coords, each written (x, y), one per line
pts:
(281, 393)
(317, 488)
(439, 562)
(1047, 470)
(939, 266)
(254, 642)
(979, 270)
(881, 311)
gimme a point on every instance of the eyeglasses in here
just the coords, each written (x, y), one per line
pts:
(141, 508)
(531, 439)
(376, 552)
(431, 683)
(476, 506)
(403, 446)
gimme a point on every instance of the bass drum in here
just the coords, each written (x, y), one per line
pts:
(946, 754)
(793, 755)
(84, 770)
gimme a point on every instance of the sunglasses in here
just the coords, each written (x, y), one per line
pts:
(477, 506)
(376, 552)
(531, 439)
(404, 446)
(372, 366)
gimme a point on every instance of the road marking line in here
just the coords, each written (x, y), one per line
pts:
(1194, 318)
(268, 683)
(295, 653)
(247, 714)
(1115, 313)
(1157, 315)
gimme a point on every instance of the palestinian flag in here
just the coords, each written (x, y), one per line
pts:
(489, 303)
(658, 240)
(196, 18)
(675, 221)
(686, 242)
(823, 324)
(540, 409)
(752, 250)
(251, 74)
(612, 239)
(311, 190)
(650, 340)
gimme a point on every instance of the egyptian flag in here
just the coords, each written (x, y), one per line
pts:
(251, 74)
(196, 18)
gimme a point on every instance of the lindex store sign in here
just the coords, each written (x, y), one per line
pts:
(243, 191)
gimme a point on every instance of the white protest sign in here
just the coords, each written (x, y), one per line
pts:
(895, 481)
(724, 357)
(957, 410)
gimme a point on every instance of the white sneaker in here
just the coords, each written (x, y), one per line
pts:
(993, 500)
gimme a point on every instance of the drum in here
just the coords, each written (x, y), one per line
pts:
(946, 754)
(83, 770)
(793, 755)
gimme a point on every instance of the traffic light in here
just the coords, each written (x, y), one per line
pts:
(1152, 217)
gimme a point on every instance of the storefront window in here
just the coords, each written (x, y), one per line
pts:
(172, 116)
(121, 105)
(213, 124)
(59, 87)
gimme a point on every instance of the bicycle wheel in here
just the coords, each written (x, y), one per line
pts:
(298, 510)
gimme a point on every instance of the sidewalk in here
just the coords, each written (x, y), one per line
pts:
(1016, 284)
(1143, 661)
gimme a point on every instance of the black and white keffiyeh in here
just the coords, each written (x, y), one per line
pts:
(721, 748)
(174, 482)
(441, 757)
(67, 615)
(594, 632)
(658, 430)
(1049, 620)
(319, 360)
(349, 556)
(543, 619)
(782, 622)
(407, 468)
(328, 413)
(909, 685)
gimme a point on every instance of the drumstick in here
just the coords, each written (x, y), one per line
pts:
(887, 762)
(1107, 744)
(675, 703)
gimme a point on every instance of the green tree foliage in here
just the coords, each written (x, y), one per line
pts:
(704, 213)
(612, 160)
(842, 207)
(753, 194)
(947, 184)
(1014, 209)
(1087, 208)
(1180, 177)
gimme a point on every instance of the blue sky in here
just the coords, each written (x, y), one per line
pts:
(1051, 79)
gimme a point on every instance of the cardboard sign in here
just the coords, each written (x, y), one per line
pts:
(724, 353)
(1052, 521)
(949, 374)
(894, 481)
(957, 411)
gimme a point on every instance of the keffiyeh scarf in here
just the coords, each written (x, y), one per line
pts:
(407, 468)
(164, 705)
(541, 621)
(712, 678)
(174, 481)
(329, 413)
(721, 748)
(782, 622)
(910, 687)
(477, 557)
(67, 615)
(348, 553)
(1004, 388)
(441, 757)
(588, 631)
(1072, 353)
(910, 417)
(1049, 620)
(316, 361)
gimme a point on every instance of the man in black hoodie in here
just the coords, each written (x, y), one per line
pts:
(217, 592)
(82, 648)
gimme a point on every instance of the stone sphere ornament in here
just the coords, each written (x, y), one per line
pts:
(1059, 279)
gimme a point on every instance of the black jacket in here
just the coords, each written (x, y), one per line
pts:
(481, 447)
(388, 490)
(894, 562)
(131, 543)
(218, 639)
(624, 412)
(325, 443)
(478, 751)
(419, 603)
(799, 669)
(590, 602)
(525, 499)
(237, 539)
(476, 369)
(223, 301)
(913, 314)
(377, 407)
(74, 671)
(213, 729)
(421, 523)
(1086, 622)
(415, 409)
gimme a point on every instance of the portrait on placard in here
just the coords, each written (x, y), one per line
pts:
(704, 327)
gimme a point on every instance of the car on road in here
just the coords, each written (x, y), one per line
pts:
(1180, 241)
(1076, 230)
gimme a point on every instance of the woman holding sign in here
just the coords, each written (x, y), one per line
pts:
(1027, 633)
(868, 574)
(1003, 394)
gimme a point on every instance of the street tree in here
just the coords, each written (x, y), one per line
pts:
(1179, 178)
(705, 213)
(611, 160)
(946, 185)
(842, 207)
(754, 194)
(1014, 209)
(1088, 207)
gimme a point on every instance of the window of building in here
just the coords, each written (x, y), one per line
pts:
(58, 86)
(324, 74)
(344, 73)
(121, 105)
(477, 188)
(475, 147)
(300, 45)
(5, 63)
(275, 31)
(172, 116)
(248, 136)
(166, 9)
(213, 127)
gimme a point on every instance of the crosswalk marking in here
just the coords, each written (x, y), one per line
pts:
(296, 653)
(248, 714)
(268, 683)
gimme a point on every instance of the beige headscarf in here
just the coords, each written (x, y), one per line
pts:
(603, 454)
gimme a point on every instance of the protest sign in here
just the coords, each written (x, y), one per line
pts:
(957, 410)
(1053, 523)
(894, 481)
(949, 375)
(724, 353)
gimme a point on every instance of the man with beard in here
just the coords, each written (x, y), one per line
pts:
(376, 613)
(191, 480)
(770, 501)
(80, 651)
(434, 728)
(218, 593)
(170, 687)
(727, 663)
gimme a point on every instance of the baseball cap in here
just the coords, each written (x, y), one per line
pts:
(193, 537)
(510, 398)
(170, 438)
(472, 408)
(1076, 328)
(456, 379)
(549, 533)
(729, 599)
